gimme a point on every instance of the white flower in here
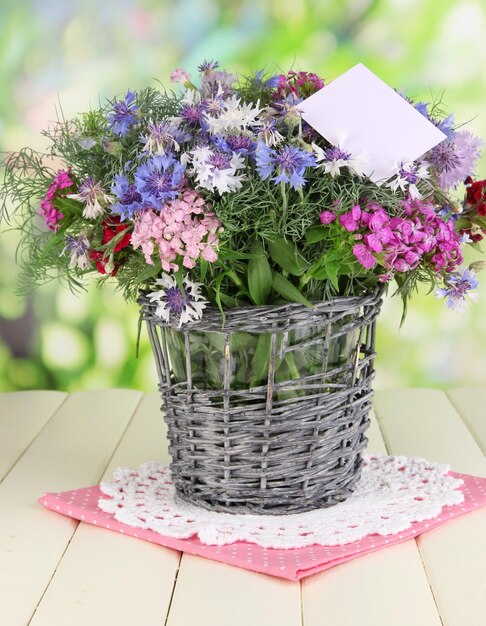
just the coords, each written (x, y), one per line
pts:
(235, 116)
(216, 170)
(407, 175)
(184, 305)
(332, 159)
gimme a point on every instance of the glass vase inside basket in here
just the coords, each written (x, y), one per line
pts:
(299, 353)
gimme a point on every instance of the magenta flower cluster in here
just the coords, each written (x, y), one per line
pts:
(47, 209)
(400, 244)
(185, 228)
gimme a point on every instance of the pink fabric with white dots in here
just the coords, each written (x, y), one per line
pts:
(293, 564)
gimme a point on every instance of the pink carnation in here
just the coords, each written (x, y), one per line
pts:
(327, 217)
(47, 209)
(184, 229)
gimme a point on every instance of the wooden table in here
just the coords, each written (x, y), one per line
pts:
(56, 572)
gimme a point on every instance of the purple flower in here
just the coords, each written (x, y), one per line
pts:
(454, 159)
(124, 115)
(458, 286)
(129, 199)
(159, 180)
(207, 66)
(241, 144)
(193, 114)
(289, 163)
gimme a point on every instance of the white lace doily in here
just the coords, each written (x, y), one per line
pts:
(393, 492)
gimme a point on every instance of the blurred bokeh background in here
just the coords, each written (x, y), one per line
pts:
(73, 52)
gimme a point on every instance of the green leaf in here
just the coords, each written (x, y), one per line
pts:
(68, 206)
(260, 361)
(332, 269)
(286, 289)
(259, 275)
(286, 254)
(315, 234)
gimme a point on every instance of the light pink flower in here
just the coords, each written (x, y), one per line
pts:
(180, 75)
(184, 231)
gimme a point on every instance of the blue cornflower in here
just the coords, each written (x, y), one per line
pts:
(241, 144)
(124, 115)
(129, 199)
(458, 286)
(447, 125)
(289, 163)
(159, 180)
(269, 83)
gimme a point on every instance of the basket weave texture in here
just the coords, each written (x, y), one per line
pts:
(285, 446)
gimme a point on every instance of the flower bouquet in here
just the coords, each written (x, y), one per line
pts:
(259, 251)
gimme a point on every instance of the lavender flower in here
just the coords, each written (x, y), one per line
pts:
(124, 115)
(332, 159)
(93, 196)
(78, 246)
(159, 180)
(129, 199)
(289, 163)
(267, 131)
(458, 286)
(454, 159)
(174, 303)
(407, 176)
(162, 137)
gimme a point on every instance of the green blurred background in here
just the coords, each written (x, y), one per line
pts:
(74, 52)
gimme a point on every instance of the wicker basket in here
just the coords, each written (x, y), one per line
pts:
(287, 442)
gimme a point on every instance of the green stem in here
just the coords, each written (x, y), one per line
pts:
(283, 191)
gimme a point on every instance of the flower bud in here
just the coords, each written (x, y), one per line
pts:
(477, 266)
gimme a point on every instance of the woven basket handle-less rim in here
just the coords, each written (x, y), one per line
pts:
(283, 447)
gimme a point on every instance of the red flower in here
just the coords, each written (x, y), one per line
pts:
(97, 257)
(475, 237)
(112, 227)
(476, 195)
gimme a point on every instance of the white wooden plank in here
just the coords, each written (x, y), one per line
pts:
(22, 415)
(72, 450)
(108, 578)
(215, 594)
(424, 423)
(387, 587)
(470, 403)
(376, 445)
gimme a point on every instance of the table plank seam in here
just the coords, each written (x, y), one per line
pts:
(176, 576)
(466, 424)
(54, 571)
(36, 436)
(431, 587)
(68, 543)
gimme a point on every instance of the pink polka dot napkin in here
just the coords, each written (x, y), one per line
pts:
(292, 564)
